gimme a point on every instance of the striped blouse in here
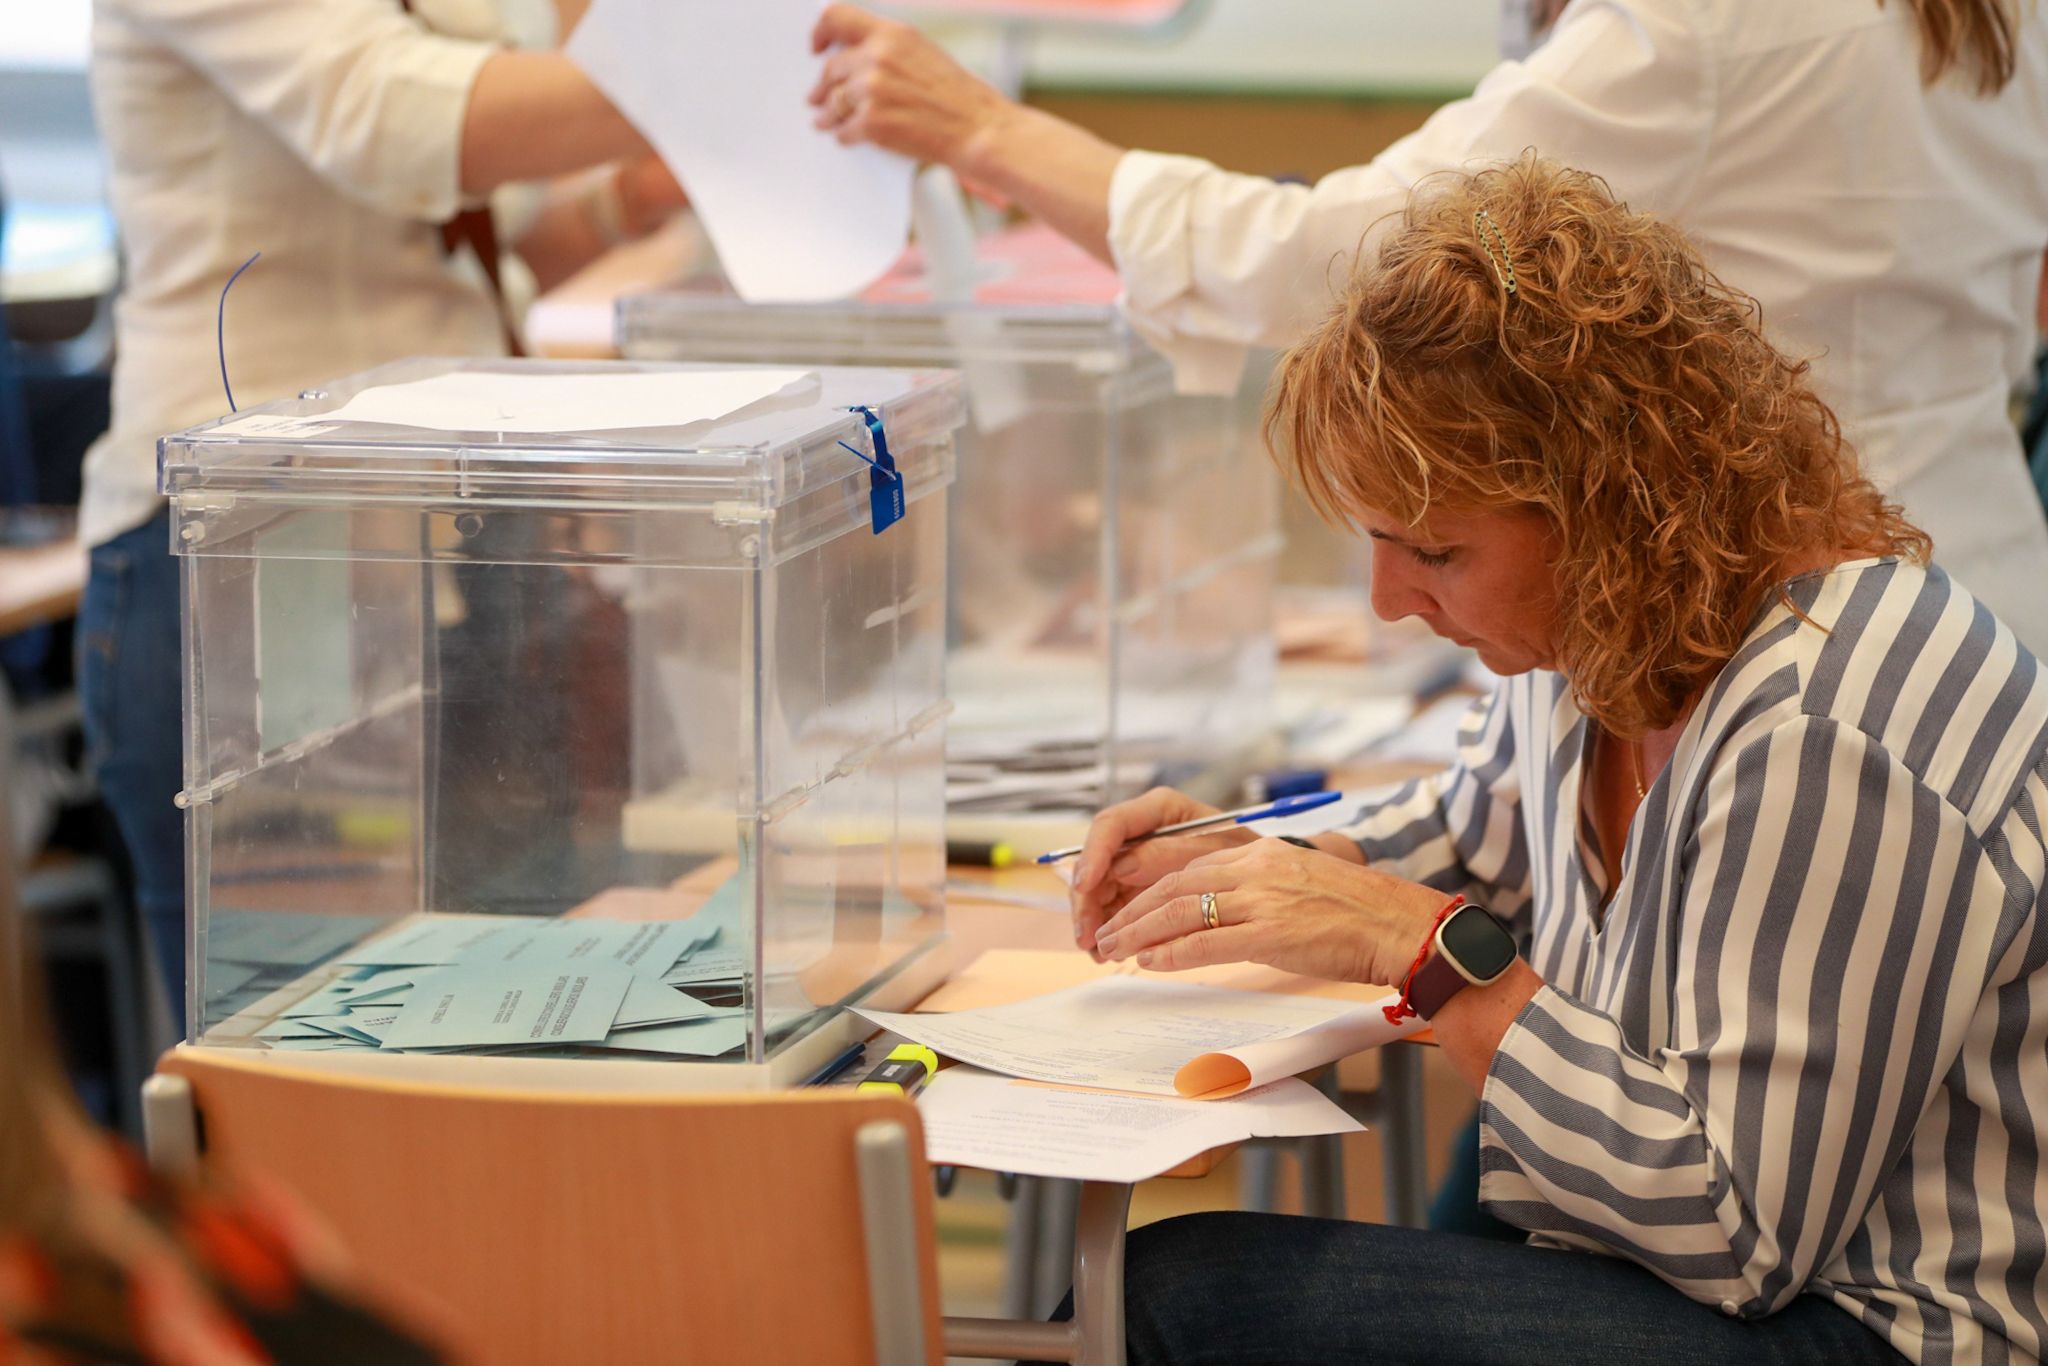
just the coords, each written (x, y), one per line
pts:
(1805, 1046)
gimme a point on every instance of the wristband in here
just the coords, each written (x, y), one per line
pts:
(1401, 1009)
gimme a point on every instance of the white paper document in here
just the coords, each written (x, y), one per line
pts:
(509, 401)
(1155, 1037)
(974, 1118)
(719, 89)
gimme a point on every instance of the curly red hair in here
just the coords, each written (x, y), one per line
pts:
(1523, 340)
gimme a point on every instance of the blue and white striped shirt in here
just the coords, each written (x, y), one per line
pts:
(1805, 1046)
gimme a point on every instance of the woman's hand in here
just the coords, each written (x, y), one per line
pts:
(1106, 875)
(1299, 910)
(890, 85)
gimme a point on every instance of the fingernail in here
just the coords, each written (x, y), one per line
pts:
(1125, 866)
(1105, 944)
(1145, 959)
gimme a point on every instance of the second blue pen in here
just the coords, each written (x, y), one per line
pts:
(1286, 806)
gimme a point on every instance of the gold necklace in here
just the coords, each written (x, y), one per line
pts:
(1635, 766)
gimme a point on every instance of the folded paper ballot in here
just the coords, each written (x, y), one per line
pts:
(471, 1006)
(974, 1118)
(1154, 1036)
(497, 984)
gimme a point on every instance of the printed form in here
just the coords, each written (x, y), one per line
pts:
(1151, 1036)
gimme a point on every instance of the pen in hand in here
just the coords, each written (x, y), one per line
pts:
(1286, 806)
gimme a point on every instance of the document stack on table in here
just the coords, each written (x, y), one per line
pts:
(518, 984)
(1126, 1077)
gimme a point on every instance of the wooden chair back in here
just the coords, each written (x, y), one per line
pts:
(552, 1227)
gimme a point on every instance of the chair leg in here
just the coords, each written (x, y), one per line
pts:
(1322, 1163)
(1020, 1251)
(1105, 1208)
(1406, 1162)
(1095, 1335)
(1258, 1183)
(1058, 1220)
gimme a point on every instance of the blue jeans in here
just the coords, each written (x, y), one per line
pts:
(131, 688)
(1282, 1290)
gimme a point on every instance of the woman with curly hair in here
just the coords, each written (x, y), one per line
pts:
(1760, 802)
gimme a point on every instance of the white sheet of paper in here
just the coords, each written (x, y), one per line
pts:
(1120, 1033)
(719, 88)
(974, 1118)
(524, 401)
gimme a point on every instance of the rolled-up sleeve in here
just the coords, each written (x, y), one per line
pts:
(368, 98)
(1459, 831)
(1214, 263)
(1821, 992)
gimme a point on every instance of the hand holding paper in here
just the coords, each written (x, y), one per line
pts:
(718, 88)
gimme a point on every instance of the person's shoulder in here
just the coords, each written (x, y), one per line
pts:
(1905, 656)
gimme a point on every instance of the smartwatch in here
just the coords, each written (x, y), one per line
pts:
(1470, 948)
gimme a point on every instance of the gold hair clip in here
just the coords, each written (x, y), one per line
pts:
(1504, 268)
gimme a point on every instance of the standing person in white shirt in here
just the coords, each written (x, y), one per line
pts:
(1875, 172)
(334, 136)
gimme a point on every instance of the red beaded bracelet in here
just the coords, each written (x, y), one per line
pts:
(1401, 1010)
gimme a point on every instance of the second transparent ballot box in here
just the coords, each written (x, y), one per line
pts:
(1114, 542)
(570, 711)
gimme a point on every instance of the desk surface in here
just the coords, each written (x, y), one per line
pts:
(40, 584)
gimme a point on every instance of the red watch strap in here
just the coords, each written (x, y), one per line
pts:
(1436, 982)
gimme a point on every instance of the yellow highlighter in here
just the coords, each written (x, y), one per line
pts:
(908, 1066)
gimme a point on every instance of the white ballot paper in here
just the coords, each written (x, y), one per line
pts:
(570, 401)
(1155, 1037)
(974, 1118)
(719, 89)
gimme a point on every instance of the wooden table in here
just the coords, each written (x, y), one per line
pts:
(40, 584)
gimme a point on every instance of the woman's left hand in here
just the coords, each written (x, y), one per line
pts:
(1290, 908)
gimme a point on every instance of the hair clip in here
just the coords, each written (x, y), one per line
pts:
(1503, 266)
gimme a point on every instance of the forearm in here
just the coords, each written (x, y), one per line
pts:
(1054, 170)
(1472, 1023)
(534, 115)
(562, 239)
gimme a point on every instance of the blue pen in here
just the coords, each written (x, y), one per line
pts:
(845, 1059)
(1286, 806)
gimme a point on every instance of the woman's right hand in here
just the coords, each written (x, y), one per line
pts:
(1107, 875)
(888, 84)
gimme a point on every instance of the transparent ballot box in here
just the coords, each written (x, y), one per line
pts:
(580, 712)
(1114, 542)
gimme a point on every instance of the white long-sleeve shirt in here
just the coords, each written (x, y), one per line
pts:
(323, 133)
(1891, 231)
(1804, 1048)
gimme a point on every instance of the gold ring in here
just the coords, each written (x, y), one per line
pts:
(1209, 916)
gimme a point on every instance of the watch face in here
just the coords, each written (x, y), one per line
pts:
(1479, 943)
